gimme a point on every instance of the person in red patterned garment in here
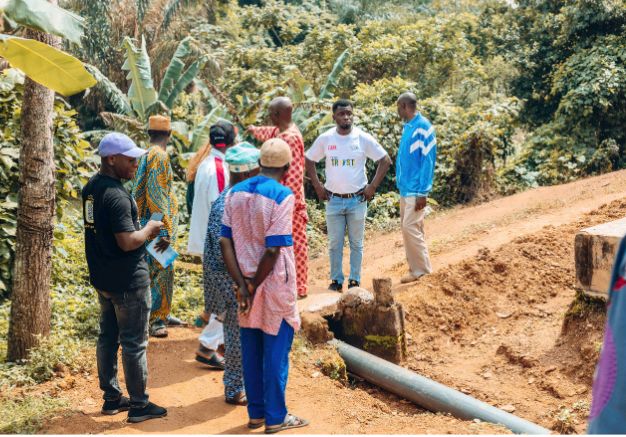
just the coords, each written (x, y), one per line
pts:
(280, 110)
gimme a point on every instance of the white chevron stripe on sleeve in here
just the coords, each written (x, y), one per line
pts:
(426, 148)
(425, 133)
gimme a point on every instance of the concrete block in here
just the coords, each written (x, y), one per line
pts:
(594, 251)
(382, 291)
(372, 322)
(315, 328)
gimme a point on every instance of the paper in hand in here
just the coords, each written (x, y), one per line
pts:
(165, 258)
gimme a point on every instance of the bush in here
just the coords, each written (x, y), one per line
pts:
(383, 209)
(52, 357)
(26, 415)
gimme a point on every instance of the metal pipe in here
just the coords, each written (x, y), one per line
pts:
(428, 393)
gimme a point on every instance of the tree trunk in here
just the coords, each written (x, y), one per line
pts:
(30, 309)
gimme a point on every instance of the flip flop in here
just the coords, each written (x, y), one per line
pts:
(215, 362)
(239, 399)
(255, 423)
(290, 422)
(158, 331)
(175, 321)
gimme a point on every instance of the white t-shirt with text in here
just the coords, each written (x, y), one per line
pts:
(346, 156)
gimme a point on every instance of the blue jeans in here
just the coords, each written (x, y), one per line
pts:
(124, 318)
(341, 214)
(265, 360)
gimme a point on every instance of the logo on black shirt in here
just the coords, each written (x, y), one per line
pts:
(89, 213)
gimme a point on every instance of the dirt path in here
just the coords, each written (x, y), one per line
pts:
(195, 402)
(489, 327)
(459, 233)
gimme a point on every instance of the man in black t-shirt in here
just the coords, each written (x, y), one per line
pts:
(115, 251)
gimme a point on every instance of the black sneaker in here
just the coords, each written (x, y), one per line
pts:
(113, 407)
(353, 283)
(150, 411)
(335, 286)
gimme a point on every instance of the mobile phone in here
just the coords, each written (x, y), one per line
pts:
(156, 216)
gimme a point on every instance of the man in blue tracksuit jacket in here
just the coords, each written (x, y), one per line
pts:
(415, 167)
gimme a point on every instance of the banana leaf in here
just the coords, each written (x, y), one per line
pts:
(46, 65)
(175, 69)
(200, 134)
(187, 77)
(117, 98)
(141, 92)
(46, 17)
(331, 81)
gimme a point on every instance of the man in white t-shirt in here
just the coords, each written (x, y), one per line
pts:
(346, 149)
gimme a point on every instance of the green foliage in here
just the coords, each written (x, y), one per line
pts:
(26, 415)
(570, 59)
(143, 100)
(74, 323)
(141, 93)
(52, 357)
(73, 158)
(49, 18)
(519, 96)
(383, 209)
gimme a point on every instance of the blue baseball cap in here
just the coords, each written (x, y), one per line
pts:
(117, 143)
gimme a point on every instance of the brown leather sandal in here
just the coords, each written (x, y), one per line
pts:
(256, 423)
(239, 399)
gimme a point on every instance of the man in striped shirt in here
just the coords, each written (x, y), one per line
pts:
(257, 245)
(415, 168)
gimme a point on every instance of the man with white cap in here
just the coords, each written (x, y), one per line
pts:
(116, 257)
(257, 244)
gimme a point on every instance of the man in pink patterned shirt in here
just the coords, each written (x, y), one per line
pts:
(280, 111)
(258, 252)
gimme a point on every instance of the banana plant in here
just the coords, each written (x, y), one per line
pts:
(310, 113)
(43, 63)
(142, 100)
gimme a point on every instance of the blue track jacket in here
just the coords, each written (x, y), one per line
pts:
(415, 163)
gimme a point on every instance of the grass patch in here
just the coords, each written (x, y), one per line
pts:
(584, 305)
(27, 415)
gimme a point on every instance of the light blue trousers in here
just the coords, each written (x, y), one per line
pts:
(341, 215)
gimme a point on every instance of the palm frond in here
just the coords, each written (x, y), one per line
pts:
(131, 126)
(141, 6)
(331, 81)
(173, 7)
(219, 97)
(117, 98)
